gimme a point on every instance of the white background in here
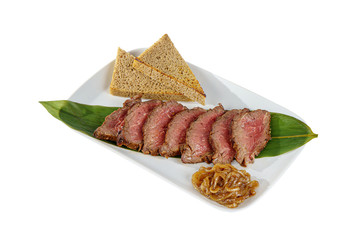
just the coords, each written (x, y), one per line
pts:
(56, 184)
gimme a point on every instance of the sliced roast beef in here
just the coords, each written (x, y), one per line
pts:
(220, 137)
(176, 131)
(114, 122)
(154, 129)
(250, 134)
(197, 148)
(131, 134)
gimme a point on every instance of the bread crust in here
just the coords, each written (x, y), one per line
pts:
(170, 82)
(162, 62)
(127, 81)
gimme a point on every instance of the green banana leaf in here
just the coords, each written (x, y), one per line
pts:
(287, 133)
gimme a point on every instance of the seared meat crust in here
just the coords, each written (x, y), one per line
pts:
(220, 137)
(131, 135)
(197, 148)
(176, 132)
(155, 127)
(114, 122)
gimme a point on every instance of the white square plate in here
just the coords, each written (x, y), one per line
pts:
(218, 90)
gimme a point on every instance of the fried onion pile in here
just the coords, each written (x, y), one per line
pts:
(224, 184)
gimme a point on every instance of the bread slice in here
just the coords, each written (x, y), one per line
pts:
(128, 82)
(162, 62)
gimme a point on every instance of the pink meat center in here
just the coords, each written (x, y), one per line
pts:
(253, 129)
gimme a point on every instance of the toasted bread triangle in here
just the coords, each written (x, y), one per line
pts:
(128, 82)
(162, 62)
